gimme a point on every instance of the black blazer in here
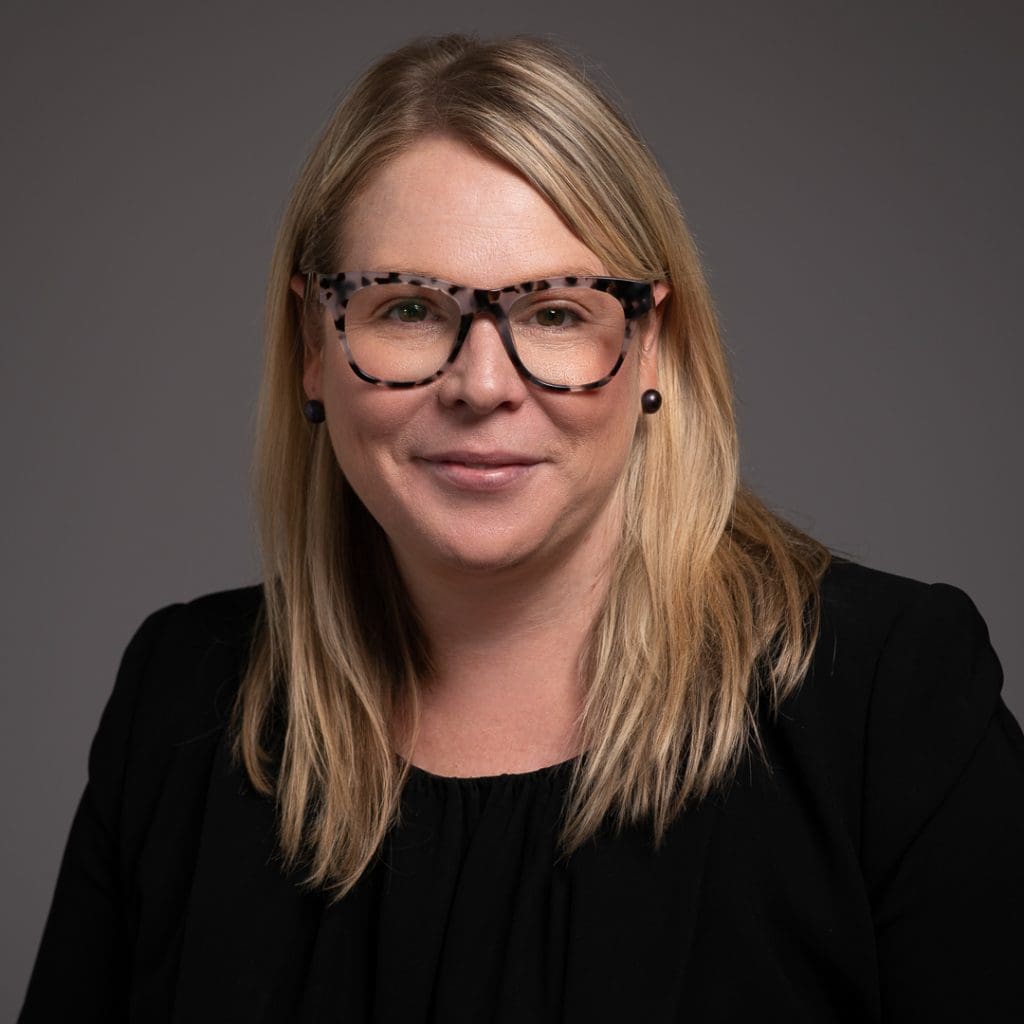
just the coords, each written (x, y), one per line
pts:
(881, 856)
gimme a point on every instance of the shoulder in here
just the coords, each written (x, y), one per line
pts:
(896, 627)
(224, 620)
(876, 622)
(861, 596)
(904, 646)
(199, 647)
(184, 637)
(899, 654)
(903, 690)
(180, 672)
(170, 703)
(223, 617)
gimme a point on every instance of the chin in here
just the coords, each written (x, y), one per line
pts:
(473, 555)
(483, 559)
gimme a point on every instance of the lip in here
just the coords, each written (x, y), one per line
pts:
(488, 458)
(480, 471)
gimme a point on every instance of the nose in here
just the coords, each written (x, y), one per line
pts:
(483, 376)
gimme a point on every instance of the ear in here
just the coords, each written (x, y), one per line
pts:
(312, 349)
(649, 338)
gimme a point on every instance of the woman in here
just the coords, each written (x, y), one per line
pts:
(539, 714)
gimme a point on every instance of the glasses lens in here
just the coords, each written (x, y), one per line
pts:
(568, 335)
(400, 332)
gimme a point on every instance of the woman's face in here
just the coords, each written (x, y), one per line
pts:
(479, 470)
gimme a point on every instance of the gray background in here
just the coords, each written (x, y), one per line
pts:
(852, 174)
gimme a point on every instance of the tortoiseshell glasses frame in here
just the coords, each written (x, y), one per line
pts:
(335, 293)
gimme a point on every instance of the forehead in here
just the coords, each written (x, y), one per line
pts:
(445, 210)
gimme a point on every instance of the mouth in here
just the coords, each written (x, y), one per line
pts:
(481, 471)
(482, 459)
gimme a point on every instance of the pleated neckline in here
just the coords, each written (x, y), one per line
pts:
(548, 773)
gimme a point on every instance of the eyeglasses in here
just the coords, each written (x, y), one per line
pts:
(561, 333)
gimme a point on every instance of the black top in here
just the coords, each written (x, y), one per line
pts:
(873, 874)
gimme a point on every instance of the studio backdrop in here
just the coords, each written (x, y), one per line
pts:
(851, 173)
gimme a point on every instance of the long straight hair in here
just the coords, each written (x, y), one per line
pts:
(712, 606)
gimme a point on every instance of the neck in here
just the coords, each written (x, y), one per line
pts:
(506, 645)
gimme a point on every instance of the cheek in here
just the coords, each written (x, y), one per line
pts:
(599, 430)
(367, 425)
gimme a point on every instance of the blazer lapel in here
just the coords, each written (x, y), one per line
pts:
(249, 929)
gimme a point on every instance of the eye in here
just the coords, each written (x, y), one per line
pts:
(553, 316)
(409, 311)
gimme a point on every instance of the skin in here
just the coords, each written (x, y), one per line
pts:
(505, 562)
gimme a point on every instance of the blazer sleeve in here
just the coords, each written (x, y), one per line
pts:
(943, 840)
(83, 966)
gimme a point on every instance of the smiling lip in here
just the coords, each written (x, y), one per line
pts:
(480, 471)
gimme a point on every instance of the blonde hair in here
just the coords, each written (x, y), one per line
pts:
(713, 602)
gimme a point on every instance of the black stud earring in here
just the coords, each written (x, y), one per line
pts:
(313, 411)
(650, 401)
